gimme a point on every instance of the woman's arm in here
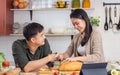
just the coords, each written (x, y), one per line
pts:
(78, 58)
(96, 54)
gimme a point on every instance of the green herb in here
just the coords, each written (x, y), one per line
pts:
(94, 21)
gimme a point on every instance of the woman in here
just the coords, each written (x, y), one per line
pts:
(87, 44)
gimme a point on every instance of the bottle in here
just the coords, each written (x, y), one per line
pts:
(75, 3)
(86, 3)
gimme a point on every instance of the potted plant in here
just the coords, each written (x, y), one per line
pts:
(94, 21)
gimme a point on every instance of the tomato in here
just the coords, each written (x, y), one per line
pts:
(5, 64)
(55, 73)
(74, 73)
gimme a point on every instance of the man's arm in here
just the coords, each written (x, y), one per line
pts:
(36, 64)
(47, 51)
(21, 59)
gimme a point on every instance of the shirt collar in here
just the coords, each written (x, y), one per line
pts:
(26, 45)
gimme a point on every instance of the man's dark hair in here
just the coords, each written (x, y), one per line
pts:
(81, 14)
(31, 30)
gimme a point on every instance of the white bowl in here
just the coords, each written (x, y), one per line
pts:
(115, 66)
(58, 30)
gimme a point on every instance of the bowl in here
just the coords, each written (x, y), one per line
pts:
(115, 66)
(57, 30)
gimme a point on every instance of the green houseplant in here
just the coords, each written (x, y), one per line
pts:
(94, 21)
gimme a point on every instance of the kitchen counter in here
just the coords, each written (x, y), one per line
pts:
(61, 73)
(41, 72)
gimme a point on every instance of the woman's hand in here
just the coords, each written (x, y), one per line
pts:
(72, 59)
(79, 58)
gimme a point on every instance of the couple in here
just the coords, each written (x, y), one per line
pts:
(33, 52)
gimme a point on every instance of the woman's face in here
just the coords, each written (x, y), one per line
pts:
(79, 24)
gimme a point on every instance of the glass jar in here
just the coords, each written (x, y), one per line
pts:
(75, 3)
(49, 3)
(86, 3)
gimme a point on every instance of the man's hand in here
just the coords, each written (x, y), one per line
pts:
(45, 67)
(52, 57)
(60, 57)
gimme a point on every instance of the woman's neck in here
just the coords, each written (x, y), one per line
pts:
(83, 34)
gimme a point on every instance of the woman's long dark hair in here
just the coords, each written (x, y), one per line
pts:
(81, 14)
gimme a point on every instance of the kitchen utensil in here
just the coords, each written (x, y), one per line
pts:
(115, 15)
(110, 19)
(115, 19)
(106, 24)
(115, 11)
(118, 25)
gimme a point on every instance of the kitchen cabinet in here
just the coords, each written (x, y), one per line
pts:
(6, 17)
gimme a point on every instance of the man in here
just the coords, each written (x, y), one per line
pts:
(33, 52)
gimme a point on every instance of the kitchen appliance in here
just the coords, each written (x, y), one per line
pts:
(94, 69)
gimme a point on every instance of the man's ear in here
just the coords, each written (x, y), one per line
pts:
(32, 40)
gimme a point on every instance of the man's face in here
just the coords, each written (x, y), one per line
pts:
(39, 39)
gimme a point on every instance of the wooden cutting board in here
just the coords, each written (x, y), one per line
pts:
(69, 72)
(48, 71)
(29, 73)
(51, 72)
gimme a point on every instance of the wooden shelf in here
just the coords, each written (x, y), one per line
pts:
(53, 35)
(40, 9)
(47, 9)
(48, 35)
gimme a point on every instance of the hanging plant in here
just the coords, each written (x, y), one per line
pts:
(94, 21)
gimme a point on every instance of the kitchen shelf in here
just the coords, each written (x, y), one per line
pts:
(59, 34)
(46, 9)
(49, 35)
(40, 9)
